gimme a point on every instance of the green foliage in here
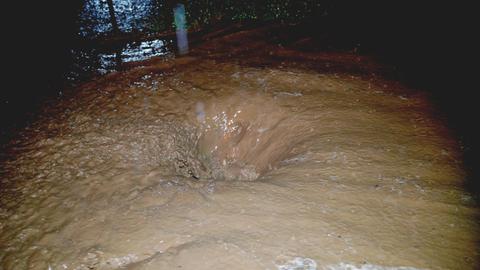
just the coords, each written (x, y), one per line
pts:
(201, 13)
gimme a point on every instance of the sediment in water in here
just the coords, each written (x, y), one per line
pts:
(348, 171)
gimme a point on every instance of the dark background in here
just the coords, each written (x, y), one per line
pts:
(36, 42)
(431, 43)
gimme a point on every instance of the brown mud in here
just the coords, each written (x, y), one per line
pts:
(242, 155)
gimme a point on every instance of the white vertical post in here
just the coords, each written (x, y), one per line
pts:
(180, 24)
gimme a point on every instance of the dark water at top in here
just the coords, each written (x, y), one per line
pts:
(87, 62)
(140, 20)
(131, 15)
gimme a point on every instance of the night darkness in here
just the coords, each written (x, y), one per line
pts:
(427, 46)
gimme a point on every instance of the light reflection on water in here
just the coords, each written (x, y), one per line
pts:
(89, 62)
(94, 21)
(143, 51)
(130, 14)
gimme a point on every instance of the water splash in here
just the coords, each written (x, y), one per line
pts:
(299, 263)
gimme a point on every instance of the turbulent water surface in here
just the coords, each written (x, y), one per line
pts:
(268, 160)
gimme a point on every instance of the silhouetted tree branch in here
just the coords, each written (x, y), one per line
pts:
(113, 19)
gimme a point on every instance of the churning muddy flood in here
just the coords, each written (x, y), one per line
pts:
(255, 161)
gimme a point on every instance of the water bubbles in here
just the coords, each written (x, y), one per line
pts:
(348, 266)
(298, 263)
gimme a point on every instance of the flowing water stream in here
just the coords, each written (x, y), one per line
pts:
(204, 162)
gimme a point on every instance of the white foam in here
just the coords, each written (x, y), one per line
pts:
(347, 266)
(299, 263)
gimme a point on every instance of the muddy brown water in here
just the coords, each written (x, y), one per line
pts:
(195, 163)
